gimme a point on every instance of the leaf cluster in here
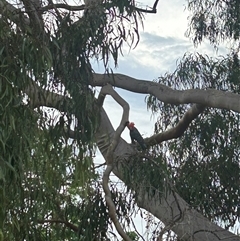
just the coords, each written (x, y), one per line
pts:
(148, 174)
(77, 39)
(215, 20)
(210, 148)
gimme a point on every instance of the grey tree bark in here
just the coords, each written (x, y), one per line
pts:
(209, 98)
(167, 206)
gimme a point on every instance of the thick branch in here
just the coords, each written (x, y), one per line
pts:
(209, 98)
(40, 97)
(35, 15)
(179, 129)
(107, 89)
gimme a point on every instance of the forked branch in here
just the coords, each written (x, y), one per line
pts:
(168, 208)
(107, 89)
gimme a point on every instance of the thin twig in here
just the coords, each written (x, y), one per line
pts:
(100, 165)
(66, 223)
(153, 9)
(64, 6)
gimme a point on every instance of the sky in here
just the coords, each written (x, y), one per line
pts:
(162, 44)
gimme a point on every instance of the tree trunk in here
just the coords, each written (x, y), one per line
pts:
(168, 206)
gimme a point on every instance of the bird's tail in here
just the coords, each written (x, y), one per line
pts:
(143, 145)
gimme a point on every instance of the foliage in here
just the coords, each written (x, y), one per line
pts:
(210, 146)
(216, 20)
(133, 236)
(213, 154)
(49, 189)
(150, 174)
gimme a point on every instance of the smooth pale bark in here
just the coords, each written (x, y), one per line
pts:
(107, 89)
(209, 97)
(179, 129)
(170, 208)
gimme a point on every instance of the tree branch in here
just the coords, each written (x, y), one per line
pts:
(66, 223)
(35, 16)
(179, 129)
(82, 7)
(40, 97)
(32, 7)
(209, 98)
(168, 206)
(153, 10)
(64, 6)
(107, 89)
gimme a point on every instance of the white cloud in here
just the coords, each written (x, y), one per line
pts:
(162, 43)
(170, 19)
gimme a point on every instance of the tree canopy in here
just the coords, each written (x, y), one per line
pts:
(53, 120)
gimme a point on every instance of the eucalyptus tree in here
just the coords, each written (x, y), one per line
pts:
(52, 122)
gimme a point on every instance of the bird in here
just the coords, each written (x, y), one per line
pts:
(135, 135)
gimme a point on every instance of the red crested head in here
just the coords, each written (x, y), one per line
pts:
(131, 124)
